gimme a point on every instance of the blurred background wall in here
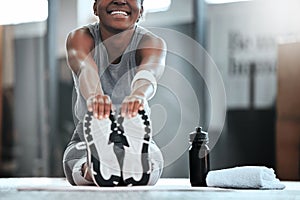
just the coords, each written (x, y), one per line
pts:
(246, 43)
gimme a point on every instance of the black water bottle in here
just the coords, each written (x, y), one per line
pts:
(198, 157)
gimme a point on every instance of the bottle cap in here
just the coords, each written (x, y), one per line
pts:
(198, 136)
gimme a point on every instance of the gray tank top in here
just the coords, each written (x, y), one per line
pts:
(115, 78)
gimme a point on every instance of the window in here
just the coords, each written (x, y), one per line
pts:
(17, 12)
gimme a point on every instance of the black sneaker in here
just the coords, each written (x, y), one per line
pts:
(101, 158)
(136, 164)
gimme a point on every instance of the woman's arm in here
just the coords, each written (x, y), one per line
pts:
(79, 46)
(151, 56)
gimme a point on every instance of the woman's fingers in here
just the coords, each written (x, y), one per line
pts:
(100, 105)
(107, 107)
(131, 105)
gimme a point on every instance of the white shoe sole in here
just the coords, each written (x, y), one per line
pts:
(136, 165)
(101, 158)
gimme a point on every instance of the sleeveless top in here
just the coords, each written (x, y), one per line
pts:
(115, 78)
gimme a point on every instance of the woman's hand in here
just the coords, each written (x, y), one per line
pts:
(100, 105)
(131, 105)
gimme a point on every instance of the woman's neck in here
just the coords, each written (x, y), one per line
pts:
(116, 43)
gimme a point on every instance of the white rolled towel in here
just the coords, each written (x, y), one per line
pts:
(250, 177)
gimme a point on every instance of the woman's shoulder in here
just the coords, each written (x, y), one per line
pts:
(92, 27)
(150, 39)
(80, 38)
(88, 30)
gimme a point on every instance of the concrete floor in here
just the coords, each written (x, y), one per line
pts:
(58, 189)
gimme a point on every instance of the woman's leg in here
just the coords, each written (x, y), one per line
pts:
(157, 163)
(73, 162)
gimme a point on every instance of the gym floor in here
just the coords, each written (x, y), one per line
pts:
(59, 188)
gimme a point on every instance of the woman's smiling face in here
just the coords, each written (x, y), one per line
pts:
(118, 15)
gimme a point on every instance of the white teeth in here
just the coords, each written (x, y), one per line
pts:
(118, 13)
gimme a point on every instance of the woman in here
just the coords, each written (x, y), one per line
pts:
(115, 65)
